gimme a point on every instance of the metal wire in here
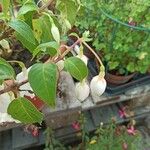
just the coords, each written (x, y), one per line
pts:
(123, 23)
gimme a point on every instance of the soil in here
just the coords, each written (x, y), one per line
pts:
(20, 54)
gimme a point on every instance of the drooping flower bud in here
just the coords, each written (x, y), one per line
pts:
(82, 90)
(97, 86)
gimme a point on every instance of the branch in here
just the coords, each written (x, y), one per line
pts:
(12, 87)
(17, 85)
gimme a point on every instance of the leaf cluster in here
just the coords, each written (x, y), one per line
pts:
(120, 31)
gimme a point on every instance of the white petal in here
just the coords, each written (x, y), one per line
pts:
(82, 90)
(97, 86)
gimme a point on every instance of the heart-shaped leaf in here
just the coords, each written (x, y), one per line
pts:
(76, 67)
(24, 111)
(6, 70)
(43, 80)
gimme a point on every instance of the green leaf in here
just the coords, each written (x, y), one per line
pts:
(29, 45)
(24, 30)
(5, 6)
(27, 7)
(24, 111)
(54, 29)
(6, 70)
(76, 67)
(55, 33)
(51, 48)
(113, 65)
(69, 9)
(37, 29)
(43, 80)
(44, 21)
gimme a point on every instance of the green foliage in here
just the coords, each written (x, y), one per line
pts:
(120, 30)
(24, 33)
(49, 48)
(76, 67)
(46, 76)
(112, 137)
(26, 8)
(106, 137)
(6, 71)
(23, 110)
(40, 31)
(5, 6)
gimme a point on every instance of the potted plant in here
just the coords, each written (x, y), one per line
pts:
(40, 32)
(120, 31)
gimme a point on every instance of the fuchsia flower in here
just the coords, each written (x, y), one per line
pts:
(131, 22)
(32, 129)
(122, 112)
(35, 132)
(131, 130)
(76, 125)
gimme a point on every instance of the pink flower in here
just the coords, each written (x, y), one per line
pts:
(76, 125)
(122, 113)
(131, 130)
(131, 22)
(35, 132)
(124, 146)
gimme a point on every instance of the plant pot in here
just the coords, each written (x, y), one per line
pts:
(118, 79)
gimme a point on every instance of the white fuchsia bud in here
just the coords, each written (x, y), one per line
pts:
(82, 90)
(97, 86)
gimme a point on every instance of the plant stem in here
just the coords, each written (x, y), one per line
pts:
(97, 57)
(12, 9)
(102, 68)
(71, 47)
(17, 85)
(14, 86)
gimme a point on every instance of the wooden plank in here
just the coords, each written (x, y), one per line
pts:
(105, 101)
(62, 118)
(145, 145)
(89, 124)
(8, 126)
(102, 114)
(21, 139)
(5, 140)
